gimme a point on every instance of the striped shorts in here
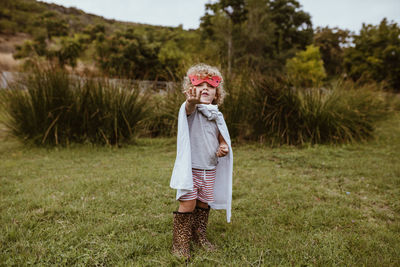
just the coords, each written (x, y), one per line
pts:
(203, 186)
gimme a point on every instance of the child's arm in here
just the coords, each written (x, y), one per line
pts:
(192, 99)
(223, 146)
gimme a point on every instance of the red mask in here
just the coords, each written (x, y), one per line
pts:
(213, 81)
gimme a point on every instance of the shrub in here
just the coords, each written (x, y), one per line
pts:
(108, 112)
(52, 107)
(306, 69)
(334, 115)
(37, 106)
(8, 27)
(268, 109)
(163, 118)
(238, 107)
(375, 55)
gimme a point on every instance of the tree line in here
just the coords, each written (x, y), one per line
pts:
(242, 37)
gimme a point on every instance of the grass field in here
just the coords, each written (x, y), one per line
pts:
(90, 205)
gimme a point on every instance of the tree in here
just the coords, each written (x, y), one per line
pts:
(306, 69)
(331, 43)
(376, 54)
(29, 48)
(293, 26)
(221, 23)
(53, 25)
(171, 57)
(94, 30)
(128, 54)
(257, 34)
(256, 46)
(69, 51)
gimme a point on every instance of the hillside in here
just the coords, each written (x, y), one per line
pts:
(27, 16)
(22, 20)
(257, 37)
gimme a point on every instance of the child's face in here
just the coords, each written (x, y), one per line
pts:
(207, 92)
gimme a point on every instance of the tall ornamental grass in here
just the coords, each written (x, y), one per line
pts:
(269, 110)
(239, 107)
(107, 112)
(37, 106)
(49, 106)
(162, 120)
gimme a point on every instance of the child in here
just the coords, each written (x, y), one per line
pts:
(202, 173)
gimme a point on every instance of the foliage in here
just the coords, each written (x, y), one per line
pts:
(109, 111)
(7, 26)
(293, 27)
(234, 35)
(118, 49)
(306, 69)
(163, 118)
(51, 107)
(376, 54)
(19, 15)
(127, 54)
(53, 25)
(66, 52)
(339, 114)
(256, 34)
(147, 54)
(35, 17)
(94, 30)
(172, 60)
(270, 110)
(238, 107)
(331, 43)
(69, 52)
(29, 49)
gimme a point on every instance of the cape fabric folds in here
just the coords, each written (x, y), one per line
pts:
(181, 178)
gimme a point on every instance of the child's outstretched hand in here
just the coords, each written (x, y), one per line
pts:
(223, 150)
(193, 96)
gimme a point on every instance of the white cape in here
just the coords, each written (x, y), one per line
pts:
(181, 178)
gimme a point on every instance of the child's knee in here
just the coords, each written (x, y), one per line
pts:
(187, 206)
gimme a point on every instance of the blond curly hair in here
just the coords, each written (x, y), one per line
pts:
(204, 70)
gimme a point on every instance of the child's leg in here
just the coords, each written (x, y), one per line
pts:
(187, 206)
(202, 210)
(187, 202)
(201, 204)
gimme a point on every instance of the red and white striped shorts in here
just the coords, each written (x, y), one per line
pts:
(203, 186)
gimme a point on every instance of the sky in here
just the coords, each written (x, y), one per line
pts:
(345, 14)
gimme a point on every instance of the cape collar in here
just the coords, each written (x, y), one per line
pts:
(209, 111)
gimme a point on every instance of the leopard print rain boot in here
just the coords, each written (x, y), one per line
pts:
(182, 234)
(200, 220)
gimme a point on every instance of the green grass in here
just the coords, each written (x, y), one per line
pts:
(90, 205)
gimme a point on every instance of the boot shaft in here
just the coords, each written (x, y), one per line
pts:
(199, 228)
(182, 233)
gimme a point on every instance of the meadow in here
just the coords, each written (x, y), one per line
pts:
(84, 174)
(315, 205)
